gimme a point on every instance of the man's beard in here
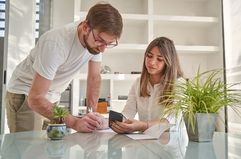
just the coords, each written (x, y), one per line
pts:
(91, 50)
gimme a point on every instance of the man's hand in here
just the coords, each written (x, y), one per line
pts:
(88, 123)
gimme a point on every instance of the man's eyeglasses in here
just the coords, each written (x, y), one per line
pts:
(102, 42)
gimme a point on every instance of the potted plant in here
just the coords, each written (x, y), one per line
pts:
(200, 99)
(56, 130)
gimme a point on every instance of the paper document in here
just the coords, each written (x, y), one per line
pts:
(105, 130)
(153, 132)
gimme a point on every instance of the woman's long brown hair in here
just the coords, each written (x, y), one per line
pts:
(171, 72)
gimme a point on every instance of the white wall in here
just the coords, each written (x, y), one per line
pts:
(62, 12)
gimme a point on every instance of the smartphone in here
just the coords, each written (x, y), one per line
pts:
(115, 116)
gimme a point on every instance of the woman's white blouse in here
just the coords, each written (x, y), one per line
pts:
(147, 107)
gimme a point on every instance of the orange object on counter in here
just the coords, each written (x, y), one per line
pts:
(102, 107)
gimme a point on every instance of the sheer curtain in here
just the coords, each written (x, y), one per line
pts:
(232, 33)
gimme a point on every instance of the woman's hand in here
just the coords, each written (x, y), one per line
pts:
(128, 126)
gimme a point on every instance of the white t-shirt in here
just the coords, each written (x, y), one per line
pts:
(58, 56)
(148, 107)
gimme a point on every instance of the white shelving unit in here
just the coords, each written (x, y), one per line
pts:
(194, 25)
(112, 85)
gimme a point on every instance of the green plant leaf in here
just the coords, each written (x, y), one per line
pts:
(59, 113)
(204, 93)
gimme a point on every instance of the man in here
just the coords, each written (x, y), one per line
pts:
(39, 80)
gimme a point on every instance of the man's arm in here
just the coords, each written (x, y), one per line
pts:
(37, 96)
(38, 102)
(93, 84)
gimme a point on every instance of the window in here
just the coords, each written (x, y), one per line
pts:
(37, 19)
(2, 17)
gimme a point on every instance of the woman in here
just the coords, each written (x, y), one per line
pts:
(160, 70)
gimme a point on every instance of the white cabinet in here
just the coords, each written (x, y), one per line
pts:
(195, 26)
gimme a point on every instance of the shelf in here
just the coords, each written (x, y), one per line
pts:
(135, 16)
(195, 19)
(194, 49)
(180, 48)
(186, 23)
(83, 76)
(124, 16)
(199, 19)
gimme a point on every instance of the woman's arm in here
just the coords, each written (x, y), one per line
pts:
(130, 108)
(131, 125)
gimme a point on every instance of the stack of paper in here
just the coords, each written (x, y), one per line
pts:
(153, 132)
